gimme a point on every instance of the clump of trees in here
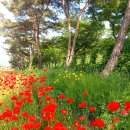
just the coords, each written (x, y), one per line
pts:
(82, 39)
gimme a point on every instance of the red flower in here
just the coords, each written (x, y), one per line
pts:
(28, 126)
(83, 105)
(113, 106)
(49, 108)
(14, 98)
(14, 118)
(41, 94)
(92, 109)
(7, 113)
(37, 125)
(45, 70)
(82, 118)
(64, 112)
(16, 110)
(48, 116)
(32, 119)
(77, 123)
(49, 88)
(1, 103)
(61, 97)
(25, 115)
(2, 117)
(127, 105)
(48, 97)
(69, 100)
(48, 128)
(82, 128)
(59, 126)
(19, 104)
(14, 129)
(29, 100)
(98, 123)
(85, 94)
(124, 112)
(116, 119)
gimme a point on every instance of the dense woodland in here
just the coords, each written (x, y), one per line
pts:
(82, 41)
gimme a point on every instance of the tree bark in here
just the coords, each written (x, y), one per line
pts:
(38, 45)
(71, 48)
(116, 53)
(31, 56)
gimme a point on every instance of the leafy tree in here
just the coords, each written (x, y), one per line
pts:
(33, 11)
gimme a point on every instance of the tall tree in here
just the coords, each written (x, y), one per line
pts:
(34, 11)
(71, 45)
(112, 62)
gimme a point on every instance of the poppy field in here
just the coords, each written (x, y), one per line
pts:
(63, 100)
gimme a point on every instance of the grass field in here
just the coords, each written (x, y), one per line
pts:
(63, 100)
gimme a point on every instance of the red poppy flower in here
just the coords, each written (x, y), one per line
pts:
(14, 98)
(1, 103)
(49, 108)
(28, 126)
(32, 118)
(82, 118)
(29, 100)
(69, 100)
(48, 128)
(98, 123)
(83, 105)
(77, 123)
(49, 88)
(2, 117)
(127, 105)
(113, 106)
(92, 109)
(7, 113)
(82, 128)
(48, 116)
(45, 70)
(14, 129)
(48, 97)
(59, 126)
(14, 118)
(36, 126)
(25, 115)
(61, 97)
(16, 110)
(116, 119)
(64, 112)
(85, 94)
(124, 112)
(41, 94)
(19, 104)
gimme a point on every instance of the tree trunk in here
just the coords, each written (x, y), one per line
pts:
(31, 56)
(112, 62)
(38, 46)
(71, 48)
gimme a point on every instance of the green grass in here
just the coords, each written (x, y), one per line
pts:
(101, 91)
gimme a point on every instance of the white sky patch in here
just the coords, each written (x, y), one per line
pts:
(7, 14)
(4, 58)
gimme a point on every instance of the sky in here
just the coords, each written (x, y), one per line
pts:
(4, 58)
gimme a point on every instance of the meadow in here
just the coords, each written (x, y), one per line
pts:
(63, 100)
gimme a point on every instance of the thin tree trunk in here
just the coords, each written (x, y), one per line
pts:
(112, 62)
(71, 48)
(31, 56)
(38, 46)
(67, 14)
